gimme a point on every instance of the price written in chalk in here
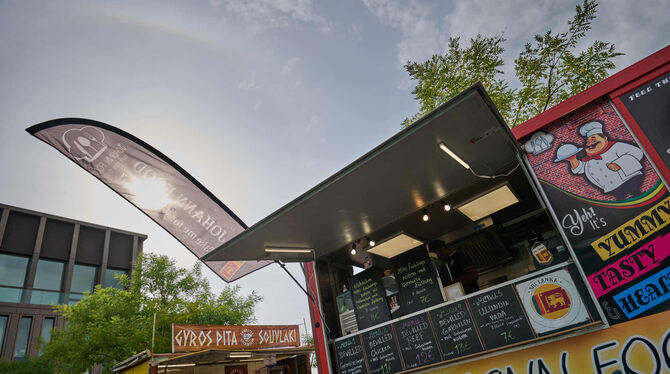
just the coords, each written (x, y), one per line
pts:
(462, 348)
(424, 357)
(508, 336)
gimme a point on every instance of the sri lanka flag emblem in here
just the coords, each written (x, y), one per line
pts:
(551, 301)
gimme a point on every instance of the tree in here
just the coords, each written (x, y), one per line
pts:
(111, 324)
(308, 339)
(549, 70)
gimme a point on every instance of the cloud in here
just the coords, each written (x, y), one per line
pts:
(421, 35)
(425, 28)
(636, 30)
(278, 13)
(618, 21)
(289, 65)
(249, 84)
(518, 19)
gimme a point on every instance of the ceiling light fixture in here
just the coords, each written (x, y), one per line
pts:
(395, 245)
(353, 248)
(371, 242)
(489, 203)
(454, 156)
(446, 206)
(239, 354)
(425, 217)
(287, 250)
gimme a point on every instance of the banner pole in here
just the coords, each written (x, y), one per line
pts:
(309, 295)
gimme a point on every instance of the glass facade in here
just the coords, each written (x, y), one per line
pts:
(13, 270)
(47, 325)
(83, 278)
(3, 329)
(22, 339)
(45, 297)
(110, 279)
(32, 283)
(74, 298)
(49, 275)
(10, 295)
(12, 274)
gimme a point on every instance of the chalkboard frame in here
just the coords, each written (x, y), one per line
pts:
(403, 292)
(581, 329)
(375, 276)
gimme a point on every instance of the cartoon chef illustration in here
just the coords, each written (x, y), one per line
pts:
(610, 165)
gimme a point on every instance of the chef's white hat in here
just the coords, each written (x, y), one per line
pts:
(591, 128)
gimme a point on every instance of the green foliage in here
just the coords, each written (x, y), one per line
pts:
(549, 70)
(308, 339)
(444, 76)
(111, 324)
(30, 366)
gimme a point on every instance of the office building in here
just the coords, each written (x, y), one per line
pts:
(47, 260)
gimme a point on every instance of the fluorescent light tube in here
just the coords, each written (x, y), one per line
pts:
(239, 355)
(287, 250)
(454, 156)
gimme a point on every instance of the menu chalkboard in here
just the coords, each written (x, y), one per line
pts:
(369, 299)
(500, 318)
(382, 351)
(350, 358)
(417, 280)
(455, 330)
(416, 341)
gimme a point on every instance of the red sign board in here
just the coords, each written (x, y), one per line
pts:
(189, 338)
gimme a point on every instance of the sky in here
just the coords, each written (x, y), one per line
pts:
(259, 100)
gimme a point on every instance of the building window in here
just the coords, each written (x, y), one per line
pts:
(83, 278)
(48, 282)
(111, 280)
(22, 339)
(49, 275)
(38, 297)
(47, 326)
(12, 274)
(3, 329)
(74, 298)
(13, 270)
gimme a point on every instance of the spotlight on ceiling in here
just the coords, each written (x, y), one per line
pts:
(371, 242)
(353, 248)
(425, 217)
(446, 206)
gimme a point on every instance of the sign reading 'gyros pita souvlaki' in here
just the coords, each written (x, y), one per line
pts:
(189, 338)
(612, 206)
(154, 184)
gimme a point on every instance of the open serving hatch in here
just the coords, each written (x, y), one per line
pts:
(387, 190)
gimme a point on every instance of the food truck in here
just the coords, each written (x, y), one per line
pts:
(562, 223)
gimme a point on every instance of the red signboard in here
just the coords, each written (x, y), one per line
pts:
(189, 338)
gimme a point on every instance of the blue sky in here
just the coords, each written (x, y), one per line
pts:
(258, 99)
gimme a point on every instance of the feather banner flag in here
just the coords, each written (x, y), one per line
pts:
(152, 183)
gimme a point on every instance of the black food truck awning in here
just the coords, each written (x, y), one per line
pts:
(378, 194)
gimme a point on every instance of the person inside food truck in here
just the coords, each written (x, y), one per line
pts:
(454, 267)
